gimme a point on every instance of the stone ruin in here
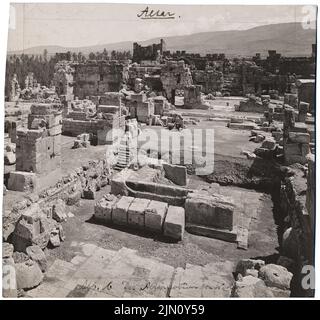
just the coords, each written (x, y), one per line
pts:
(152, 52)
(38, 147)
(63, 79)
(149, 194)
(107, 120)
(296, 139)
(175, 75)
(97, 77)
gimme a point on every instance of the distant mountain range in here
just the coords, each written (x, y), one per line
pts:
(289, 39)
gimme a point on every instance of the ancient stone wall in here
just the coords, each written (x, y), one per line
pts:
(192, 96)
(297, 208)
(63, 79)
(38, 148)
(175, 75)
(98, 77)
(253, 104)
(210, 80)
(296, 138)
(69, 188)
(152, 52)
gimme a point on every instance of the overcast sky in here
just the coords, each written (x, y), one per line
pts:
(76, 25)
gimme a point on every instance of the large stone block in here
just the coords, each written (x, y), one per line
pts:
(120, 210)
(209, 210)
(139, 97)
(28, 274)
(136, 212)
(41, 108)
(9, 158)
(276, 276)
(59, 211)
(103, 208)
(251, 287)
(155, 215)
(174, 223)
(177, 174)
(244, 264)
(299, 137)
(37, 255)
(108, 109)
(269, 143)
(22, 181)
(292, 149)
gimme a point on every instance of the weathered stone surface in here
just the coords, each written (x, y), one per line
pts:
(27, 229)
(36, 254)
(243, 126)
(120, 210)
(59, 211)
(55, 238)
(264, 153)
(251, 287)
(41, 240)
(9, 158)
(20, 257)
(299, 137)
(28, 274)
(293, 149)
(286, 262)
(7, 250)
(210, 210)
(136, 212)
(211, 232)
(73, 198)
(103, 208)
(249, 155)
(47, 224)
(276, 276)
(22, 181)
(245, 264)
(277, 135)
(259, 138)
(155, 215)
(10, 147)
(269, 144)
(290, 244)
(175, 173)
(89, 192)
(252, 272)
(174, 223)
(279, 293)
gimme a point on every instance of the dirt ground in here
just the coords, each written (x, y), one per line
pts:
(194, 249)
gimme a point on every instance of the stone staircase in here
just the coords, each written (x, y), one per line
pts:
(97, 272)
(124, 154)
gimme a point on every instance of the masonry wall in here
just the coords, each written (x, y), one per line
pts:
(96, 78)
(297, 207)
(38, 148)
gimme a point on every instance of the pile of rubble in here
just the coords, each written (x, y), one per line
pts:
(255, 279)
(24, 259)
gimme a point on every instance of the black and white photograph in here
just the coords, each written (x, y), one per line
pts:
(160, 151)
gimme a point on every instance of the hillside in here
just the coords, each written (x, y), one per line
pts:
(289, 39)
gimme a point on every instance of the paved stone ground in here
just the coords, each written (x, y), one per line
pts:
(97, 272)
